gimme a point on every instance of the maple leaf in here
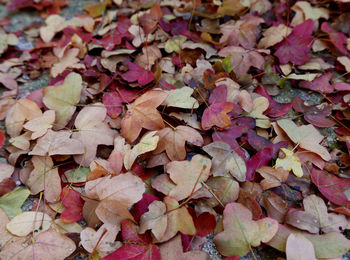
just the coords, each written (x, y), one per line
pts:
(299, 247)
(173, 141)
(241, 232)
(46, 245)
(155, 219)
(45, 178)
(172, 250)
(69, 60)
(23, 109)
(143, 114)
(63, 98)
(73, 202)
(274, 35)
(114, 100)
(92, 131)
(306, 136)
(59, 142)
(315, 217)
(331, 245)
(216, 115)
(242, 59)
(272, 177)
(260, 105)
(135, 246)
(295, 47)
(27, 222)
(137, 73)
(338, 39)
(147, 143)
(188, 175)
(316, 115)
(41, 124)
(320, 84)
(103, 239)
(225, 161)
(12, 201)
(331, 186)
(181, 98)
(290, 162)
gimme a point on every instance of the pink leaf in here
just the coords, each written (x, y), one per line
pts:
(338, 39)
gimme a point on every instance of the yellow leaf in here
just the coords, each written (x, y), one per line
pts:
(290, 162)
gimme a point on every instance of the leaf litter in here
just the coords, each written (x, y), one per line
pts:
(160, 125)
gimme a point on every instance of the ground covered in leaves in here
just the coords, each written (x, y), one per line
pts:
(160, 129)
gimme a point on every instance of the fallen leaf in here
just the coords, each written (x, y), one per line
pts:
(181, 98)
(338, 39)
(92, 131)
(188, 175)
(155, 219)
(143, 114)
(306, 136)
(225, 161)
(172, 250)
(315, 217)
(41, 124)
(290, 162)
(27, 222)
(23, 109)
(73, 202)
(147, 143)
(64, 98)
(57, 142)
(173, 141)
(137, 73)
(216, 115)
(272, 177)
(241, 232)
(261, 104)
(45, 178)
(299, 247)
(46, 244)
(295, 46)
(274, 35)
(12, 202)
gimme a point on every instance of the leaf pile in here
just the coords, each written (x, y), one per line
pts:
(164, 121)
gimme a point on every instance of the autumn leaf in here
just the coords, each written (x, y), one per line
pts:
(188, 175)
(315, 217)
(64, 98)
(295, 47)
(173, 141)
(216, 115)
(172, 250)
(331, 245)
(23, 109)
(46, 244)
(73, 202)
(137, 73)
(147, 143)
(181, 98)
(225, 161)
(40, 125)
(155, 219)
(272, 177)
(143, 114)
(27, 222)
(92, 131)
(241, 232)
(12, 201)
(306, 136)
(135, 245)
(57, 142)
(299, 247)
(290, 163)
(45, 178)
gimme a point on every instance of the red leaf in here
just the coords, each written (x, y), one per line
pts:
(338, 39)
(275, 109)
(73, 202)
(141, 207)
(261, 158)
(320, 84)
(216, 115)
(136, 247)
(137, 73)
(331, 186)
(295, 47)
(2, 139)
(205, 223)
